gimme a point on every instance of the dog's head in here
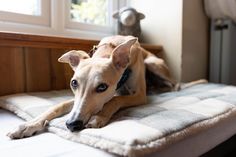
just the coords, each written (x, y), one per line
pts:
(94, 82)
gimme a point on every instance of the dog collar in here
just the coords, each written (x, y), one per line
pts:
(123, 78)
(95, 47)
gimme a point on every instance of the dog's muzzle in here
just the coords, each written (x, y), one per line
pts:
(74, 125)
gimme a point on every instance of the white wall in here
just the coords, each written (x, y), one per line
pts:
(163, 26)
(181, 28)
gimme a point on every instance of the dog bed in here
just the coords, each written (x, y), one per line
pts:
(165, 120)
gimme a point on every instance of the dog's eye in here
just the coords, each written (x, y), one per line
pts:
(74, 84)
(101, 88)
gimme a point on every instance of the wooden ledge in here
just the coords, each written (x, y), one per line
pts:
(38, 41)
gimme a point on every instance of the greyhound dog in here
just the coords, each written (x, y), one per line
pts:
(113, 77)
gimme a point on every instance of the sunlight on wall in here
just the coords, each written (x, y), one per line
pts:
(163, 26)
(181, 27)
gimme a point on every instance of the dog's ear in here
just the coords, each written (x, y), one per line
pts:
(73, 58)
(120, 55)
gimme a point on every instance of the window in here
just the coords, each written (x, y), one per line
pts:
(25, 11)
(28, 7)
(69, 18)
(90, 11)
(92, 15)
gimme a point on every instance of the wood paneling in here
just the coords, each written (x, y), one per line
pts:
(57, 70)
(29, 63)
(26, 40)
(38, 69)
(68, 74)
(155, 49)
(12, 71)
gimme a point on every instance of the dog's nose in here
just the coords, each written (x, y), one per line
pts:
(74, 125)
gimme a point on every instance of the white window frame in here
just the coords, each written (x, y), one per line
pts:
(55, 22)
(42, 19)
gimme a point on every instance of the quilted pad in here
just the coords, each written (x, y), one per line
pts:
(166, 119)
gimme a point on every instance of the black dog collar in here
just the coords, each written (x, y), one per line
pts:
(123, 78)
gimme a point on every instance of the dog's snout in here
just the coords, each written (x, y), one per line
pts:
(74, 125)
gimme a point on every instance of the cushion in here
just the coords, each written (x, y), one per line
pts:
(166, 119)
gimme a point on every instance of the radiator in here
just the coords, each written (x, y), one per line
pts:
(223, 52)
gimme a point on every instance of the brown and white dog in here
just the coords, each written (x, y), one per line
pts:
(113, 78)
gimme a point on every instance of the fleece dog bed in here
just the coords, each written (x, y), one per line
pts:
(166, 119)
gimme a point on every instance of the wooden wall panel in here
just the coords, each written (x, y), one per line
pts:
(12, 71)
(28, 63)
(38, 69)
(57, 70)
(68, 74)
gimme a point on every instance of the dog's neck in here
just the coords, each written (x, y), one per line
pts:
(127, 71)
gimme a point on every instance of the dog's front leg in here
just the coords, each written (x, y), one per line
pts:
(112, 106)
(29, 128)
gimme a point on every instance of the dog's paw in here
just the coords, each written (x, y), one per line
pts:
(25, 130)
(97, 122)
